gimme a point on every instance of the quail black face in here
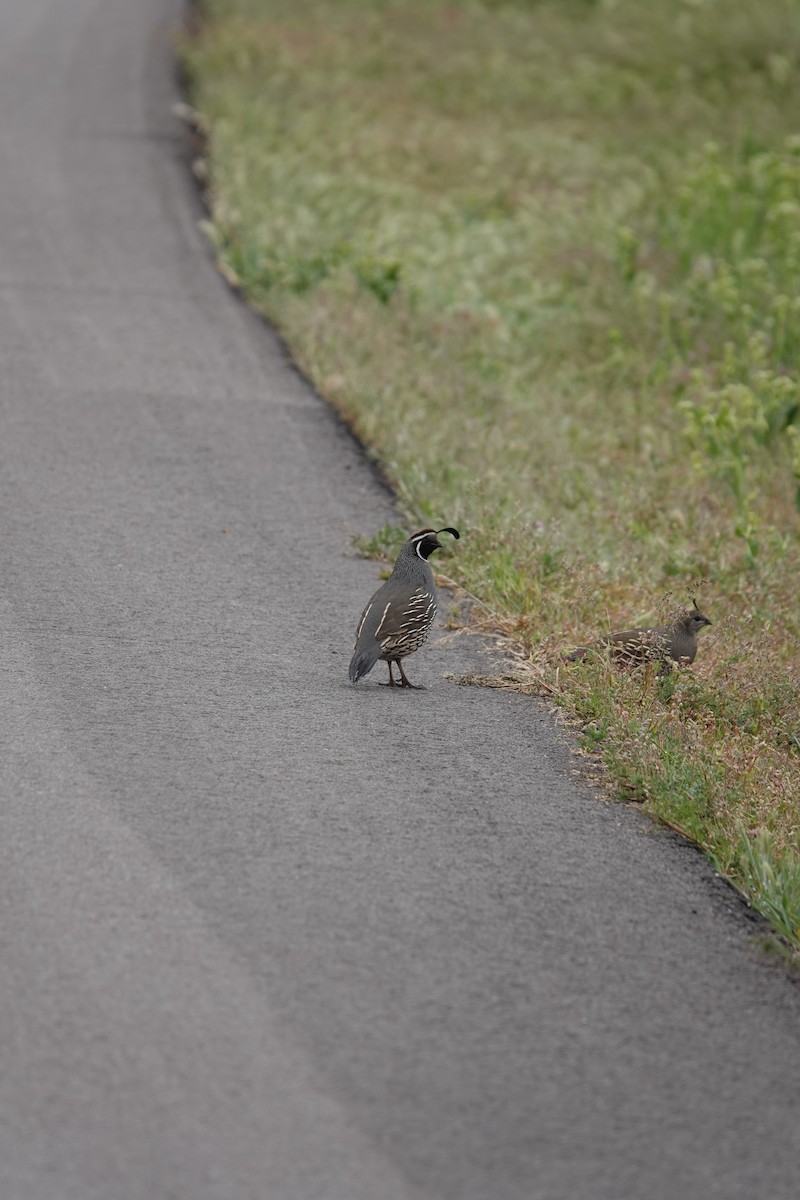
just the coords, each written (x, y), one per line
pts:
(426, 541)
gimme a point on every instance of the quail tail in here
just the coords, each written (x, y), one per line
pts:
(363, 661)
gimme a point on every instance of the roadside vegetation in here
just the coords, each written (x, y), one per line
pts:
(544, 257)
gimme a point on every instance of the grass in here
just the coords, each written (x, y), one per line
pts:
(544, 258)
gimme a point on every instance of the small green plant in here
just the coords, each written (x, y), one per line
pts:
(379, 276)
(771, 881)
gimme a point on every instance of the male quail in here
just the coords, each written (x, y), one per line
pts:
(675, 641)
(399, 616)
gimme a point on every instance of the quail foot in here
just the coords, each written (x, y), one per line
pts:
(399, 616)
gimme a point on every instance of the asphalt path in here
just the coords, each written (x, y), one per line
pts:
(266, 936)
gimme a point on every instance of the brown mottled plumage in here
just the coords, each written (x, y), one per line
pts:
(674, 642)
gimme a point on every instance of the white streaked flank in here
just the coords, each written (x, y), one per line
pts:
(383, 618)
(363, 619)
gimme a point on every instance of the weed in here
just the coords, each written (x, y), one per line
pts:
(771, 880)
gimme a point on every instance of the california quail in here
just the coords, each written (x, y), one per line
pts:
(676, 641)
(399, 616)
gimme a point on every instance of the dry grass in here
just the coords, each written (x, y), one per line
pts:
(544, 258)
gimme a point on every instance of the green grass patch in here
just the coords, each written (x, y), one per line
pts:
(544, 258)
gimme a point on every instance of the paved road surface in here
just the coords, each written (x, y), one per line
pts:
(265, 936)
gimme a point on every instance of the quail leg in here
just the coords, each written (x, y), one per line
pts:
(391, 682)
(406, 682)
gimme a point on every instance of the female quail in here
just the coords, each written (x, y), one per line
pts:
(399, 616)
(675, 642)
